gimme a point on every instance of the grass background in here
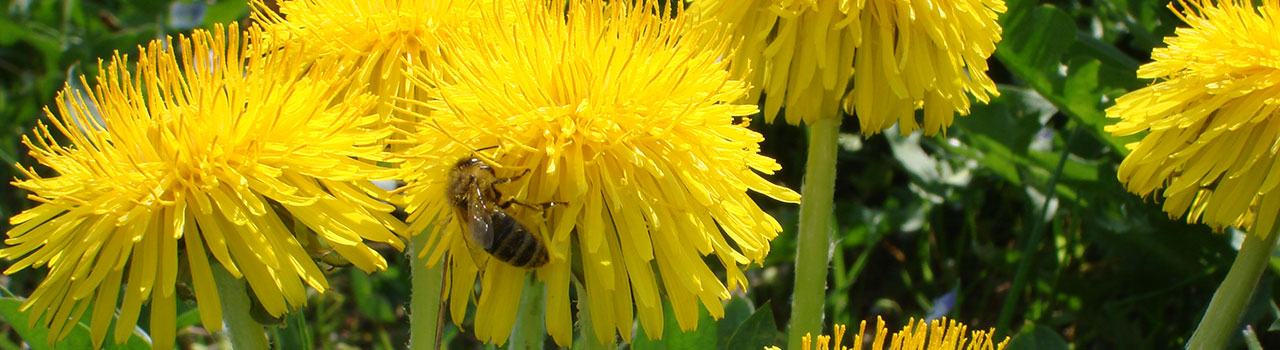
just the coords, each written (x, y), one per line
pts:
(927, 226)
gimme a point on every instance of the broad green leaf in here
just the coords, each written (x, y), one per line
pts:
(1036, 39)
(225, 11)
(1105, 53)
(1034, 337)
(1082, 100)
(1072, 170)
(736, 311)
(757, 331)
(79, 338)
(295, 335)
(12, 32)
(189, 318)
(1000, 136)
(674, 338)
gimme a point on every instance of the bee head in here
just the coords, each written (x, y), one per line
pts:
(473, 163)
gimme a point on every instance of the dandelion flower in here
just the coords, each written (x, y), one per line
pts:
(211, 147)
(383, 37)
(934, 335)
(1210, 119)
(627, 118)
(880, 59)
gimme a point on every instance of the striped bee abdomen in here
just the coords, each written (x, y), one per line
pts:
(514, 244)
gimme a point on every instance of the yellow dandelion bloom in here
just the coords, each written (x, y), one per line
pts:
(627, 119)
(1210, 118)
(383, 37)
(916, 335)
(880, 59)
(209, 147)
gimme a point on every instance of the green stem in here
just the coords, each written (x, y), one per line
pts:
(424, 304)
(586, 333)
(1222, 319)
(814, 240)
(1032, 237)
(529, 332)
(244, 332)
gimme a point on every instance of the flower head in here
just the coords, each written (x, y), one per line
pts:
(382, 37)
(880, 59)
(216, 146)
(934, 335)
(1210, 119)
(627, 119)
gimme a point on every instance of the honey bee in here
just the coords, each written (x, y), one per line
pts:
(479, 208)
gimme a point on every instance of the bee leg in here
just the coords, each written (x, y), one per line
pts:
(446, 280)
(548, 205)
(510, 179)
(540, 206)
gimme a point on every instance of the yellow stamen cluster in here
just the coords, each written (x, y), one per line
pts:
(933, 335)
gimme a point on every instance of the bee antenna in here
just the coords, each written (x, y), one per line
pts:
(487, 159)
(436, 124)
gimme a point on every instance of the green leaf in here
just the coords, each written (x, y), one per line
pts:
(1082, 98)
(225, 11)
(1025, 48)
(371, 304)
(294, 335)
(1001, 135)
(1072, 170)
(1033, 49)
(1251, 339)
(757, 332)
(1034, 337)
(735, 312)
(188, 319)
(79, 338)
(12, 31)
(704, 337)
(1107, 54)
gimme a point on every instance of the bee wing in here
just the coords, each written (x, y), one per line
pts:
(480, 223)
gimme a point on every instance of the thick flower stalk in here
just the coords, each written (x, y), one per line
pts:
(625, 118)
(879, 60)
(916, 335)
(1209, 149)
(211, 153)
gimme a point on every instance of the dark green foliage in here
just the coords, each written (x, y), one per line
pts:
(756, 332)
(1035, 337)
(704, 337)
(37, 336)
